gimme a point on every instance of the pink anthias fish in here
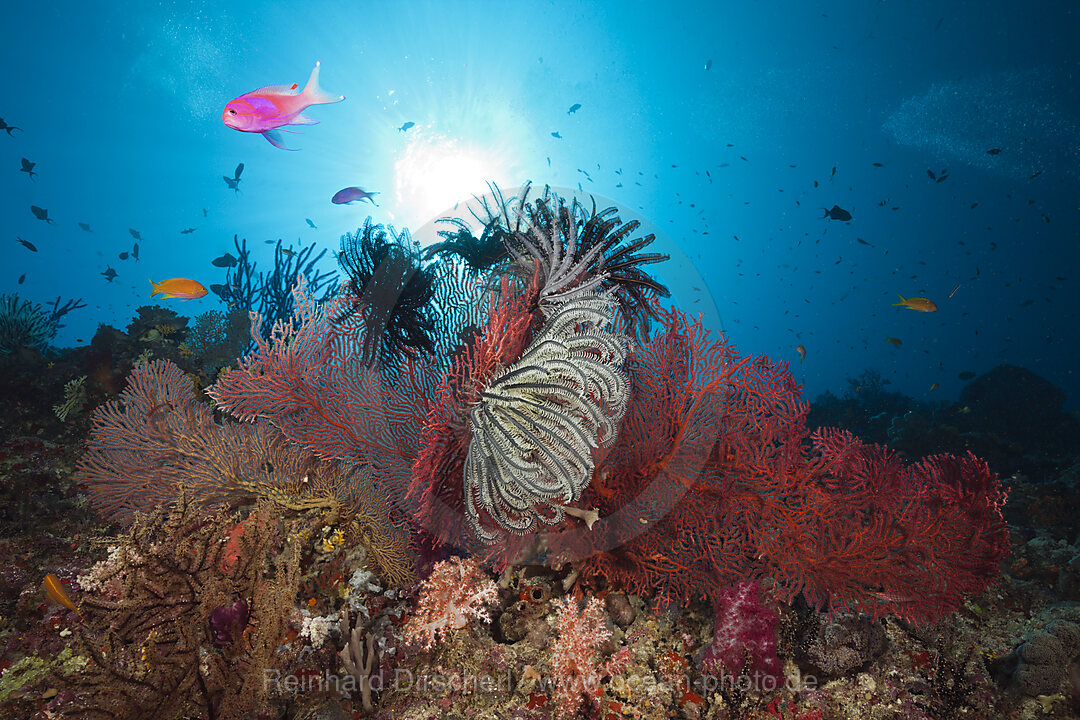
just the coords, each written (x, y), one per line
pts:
(353, 194)
(265, 110)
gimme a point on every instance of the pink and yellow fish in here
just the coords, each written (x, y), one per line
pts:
(182, 288)
(267, 109)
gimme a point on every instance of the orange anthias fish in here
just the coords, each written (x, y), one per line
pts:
(55, 590)
(801, 349)
(269, 108)
(917, 304)
(183, 288)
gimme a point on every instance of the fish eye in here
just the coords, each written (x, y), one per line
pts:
(231, 111)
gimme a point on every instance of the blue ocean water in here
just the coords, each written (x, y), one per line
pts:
(730, 127)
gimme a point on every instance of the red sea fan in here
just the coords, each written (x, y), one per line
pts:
(437, 487)
(309, 381)
(715, 478)
(867, 532)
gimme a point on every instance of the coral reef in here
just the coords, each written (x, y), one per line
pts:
(712, 477)
(640, 508)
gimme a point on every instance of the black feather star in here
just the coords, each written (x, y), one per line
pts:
(388, 295)
(592, 249)
(480, 254)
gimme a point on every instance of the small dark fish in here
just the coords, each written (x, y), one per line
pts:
(833, 173)
(233, 183)
(41, 214)
(123, 256)
(966, 375)
(993, 151)
(942, 178)
(135, 234)
(26, 244)
(28, 168)
(225, 261)
(85, 227)
(860, 240)
(204, 212)
(930, 174)
(405, 127)
(573, 108)
(837, 213)
(878, 164)
(708, 65)
(556, 135)
(549, 161)
(22, 278)
(238, 172)
(220, 290)
(974, 204)
(1034, 175)
(9, 128)
(287, 252)
(188, 231)
(353, 194)
(310, 224)
(109, 274)
(135, 252)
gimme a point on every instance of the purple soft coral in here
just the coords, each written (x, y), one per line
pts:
(744, 640)
(226, 620)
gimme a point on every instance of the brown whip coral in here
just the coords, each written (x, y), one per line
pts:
(157, 437)
(152, 647)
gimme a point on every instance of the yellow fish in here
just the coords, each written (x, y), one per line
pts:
(801, 349)
(55, 590)
(183, 288)
(896, 342)
(917, 304)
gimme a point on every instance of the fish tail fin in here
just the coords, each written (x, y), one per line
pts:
(902, 300)
(314, 94)
(157, 288)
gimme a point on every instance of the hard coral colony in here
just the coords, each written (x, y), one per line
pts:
(528, 400)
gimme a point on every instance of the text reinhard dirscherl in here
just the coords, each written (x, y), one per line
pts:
(468, 683)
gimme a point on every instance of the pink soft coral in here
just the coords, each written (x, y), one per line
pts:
(456, 591)
(580, 635)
